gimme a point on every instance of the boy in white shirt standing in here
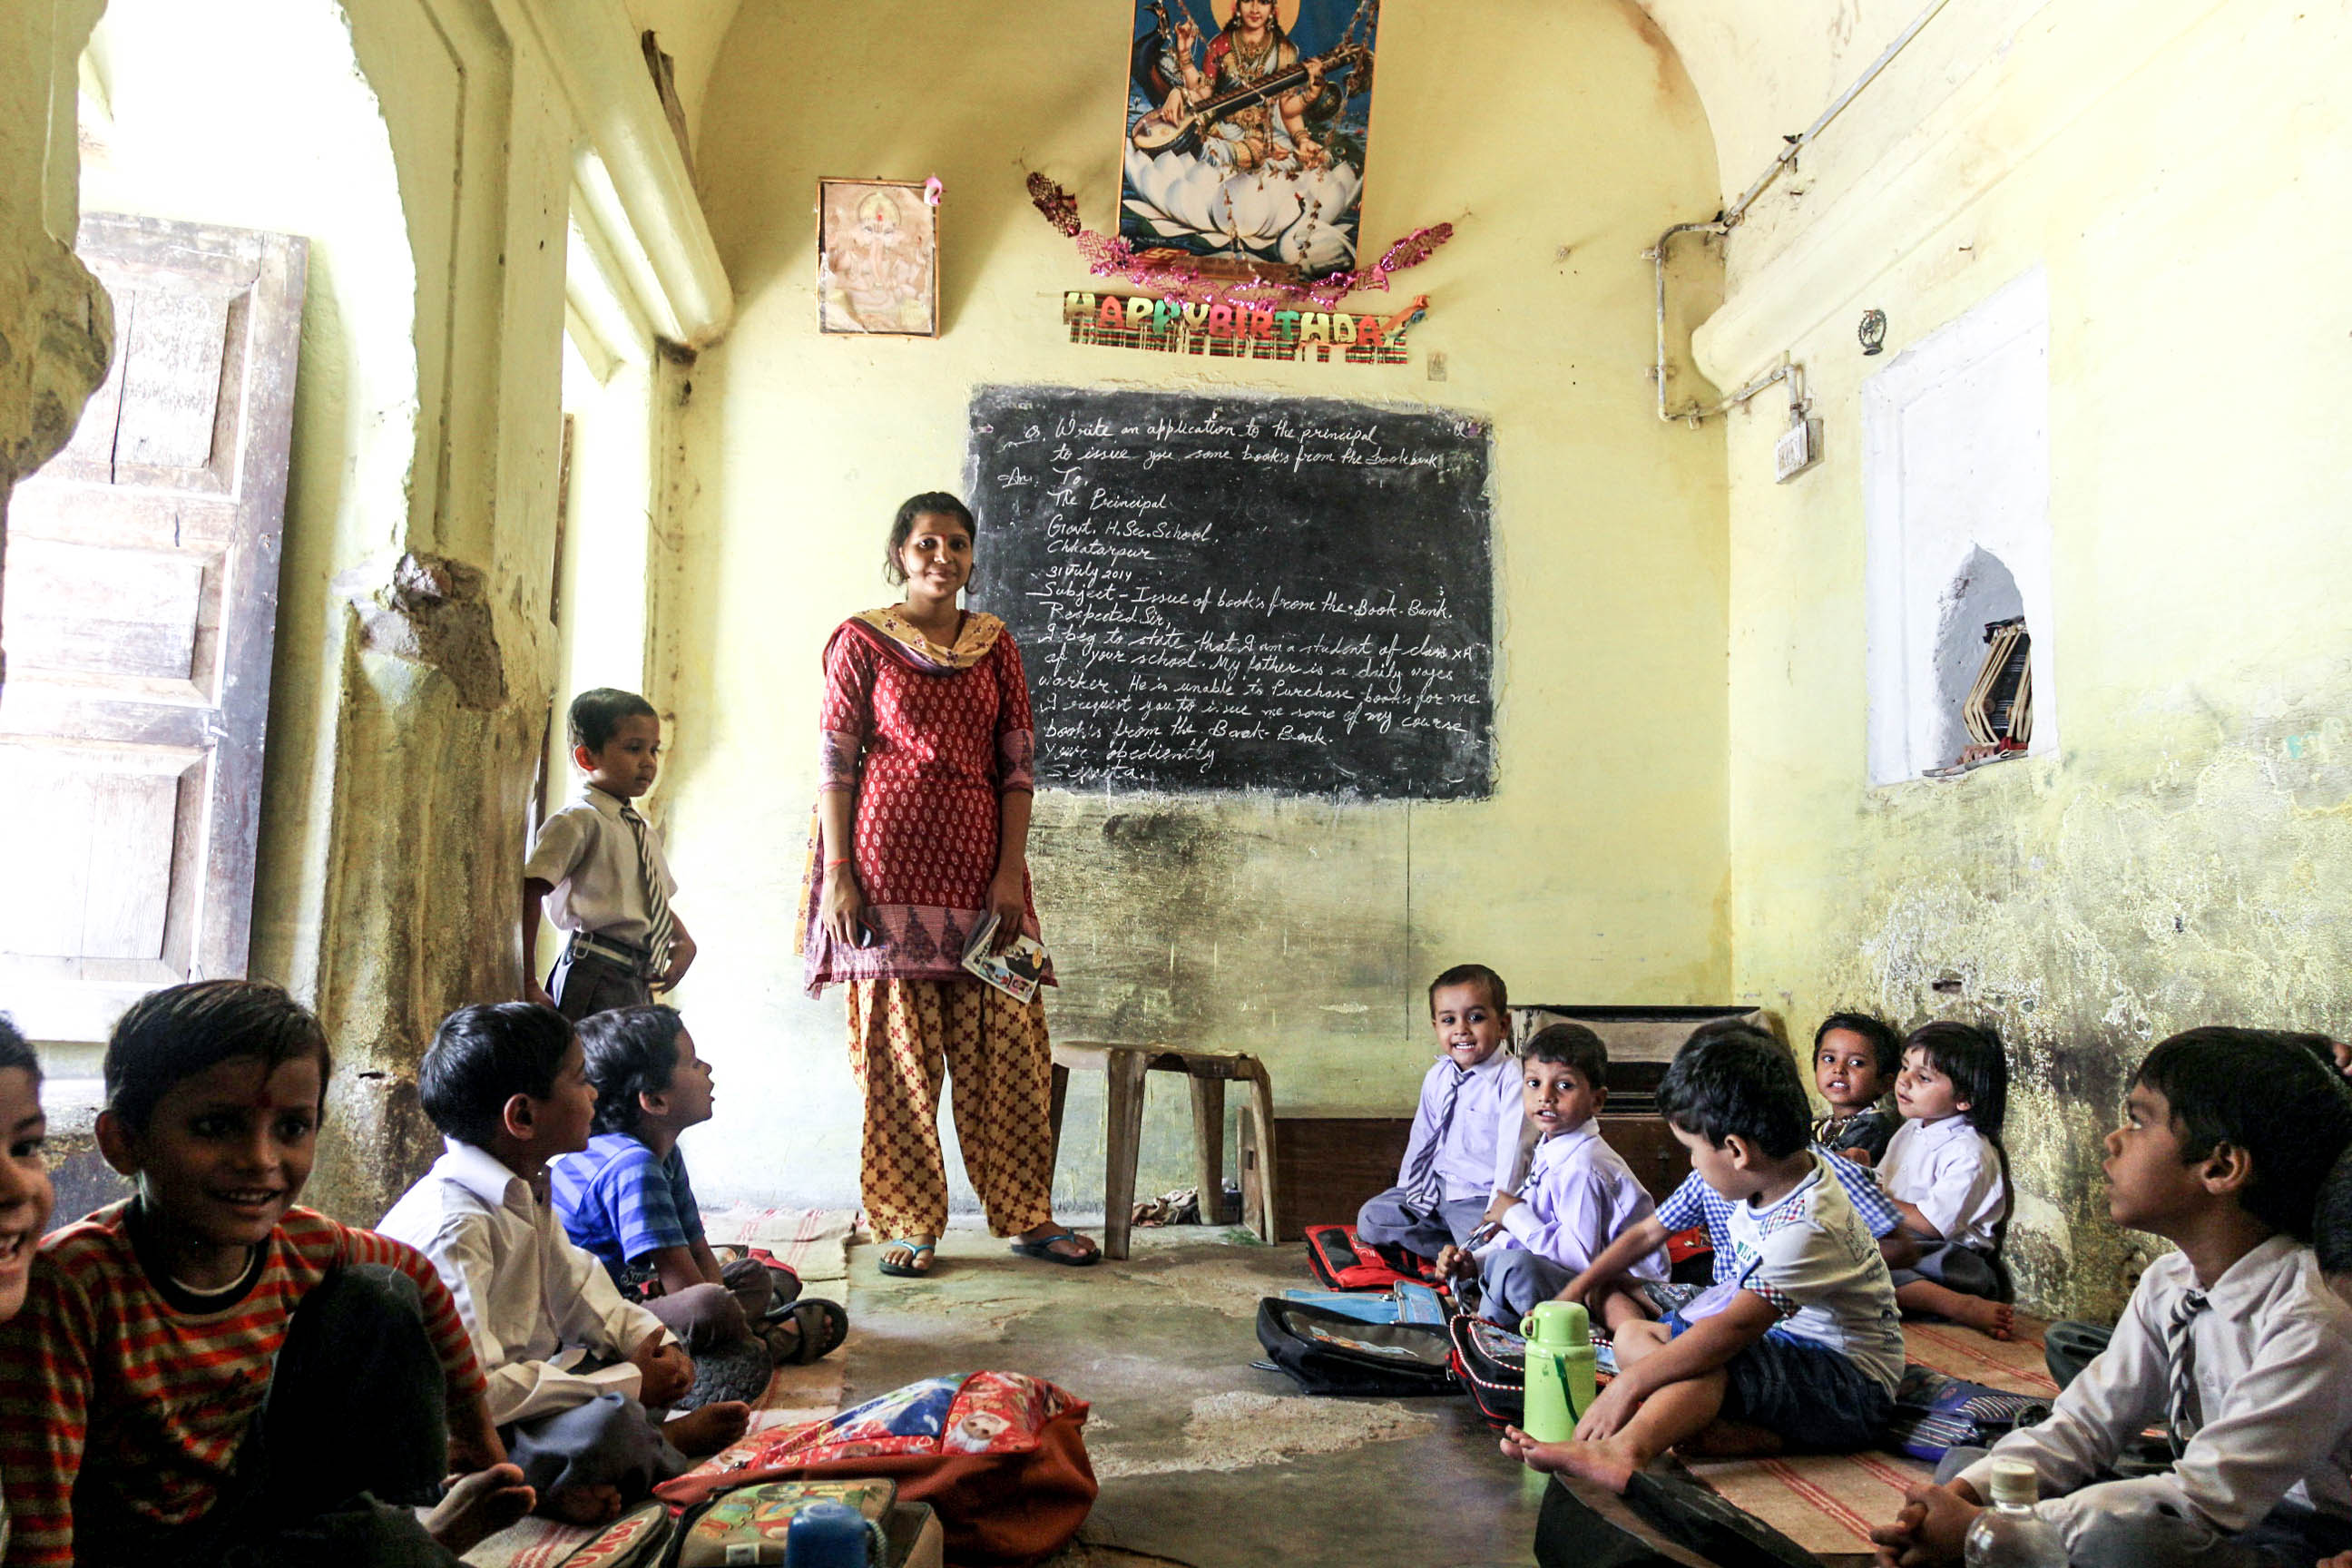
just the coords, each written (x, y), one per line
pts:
(597, 867)
(2234, 1343)
(1466, 1125)
(1802, 1339)
(1579, 1196)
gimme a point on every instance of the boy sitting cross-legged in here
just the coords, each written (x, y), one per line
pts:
(626, 1197)
(205, 1372)
(568, 1361)
(2234, 1344)
(1465, 1130)
(1803, 1341)
(1579, 1196)
(1694, 1203)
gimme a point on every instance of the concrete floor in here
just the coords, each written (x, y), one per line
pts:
(1204, 1460)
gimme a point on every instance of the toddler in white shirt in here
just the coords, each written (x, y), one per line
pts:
(2233, 1344)
(1945, 1173)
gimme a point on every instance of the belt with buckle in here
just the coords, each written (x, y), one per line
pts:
(637, 959)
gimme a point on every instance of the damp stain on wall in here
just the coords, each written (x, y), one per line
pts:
(2088, 909)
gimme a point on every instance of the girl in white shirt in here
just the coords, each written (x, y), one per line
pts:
(1947, 1175)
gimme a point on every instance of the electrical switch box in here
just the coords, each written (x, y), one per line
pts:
(1799, 449)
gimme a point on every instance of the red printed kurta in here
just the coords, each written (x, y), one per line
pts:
(929, 747)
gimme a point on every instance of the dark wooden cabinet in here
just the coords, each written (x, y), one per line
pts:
(1650, 1146)
(1326, 1166)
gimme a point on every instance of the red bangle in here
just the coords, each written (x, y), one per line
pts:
(837, 861)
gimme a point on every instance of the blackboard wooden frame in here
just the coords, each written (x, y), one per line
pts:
(1226, 591)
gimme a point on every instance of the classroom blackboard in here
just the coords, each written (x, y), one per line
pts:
(1293, 595)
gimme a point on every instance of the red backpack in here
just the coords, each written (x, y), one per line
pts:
(1344, 1263)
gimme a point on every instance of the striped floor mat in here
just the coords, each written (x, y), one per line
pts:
(1829, 1502)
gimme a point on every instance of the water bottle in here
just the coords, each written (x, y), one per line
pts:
(829, 1534)
(2007, 1534)
(1560, 1386)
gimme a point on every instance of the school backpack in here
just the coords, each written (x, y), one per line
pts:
(1934, 1414)
(1325, 1352)
(1407, 1304)
(1344, 1263)
(1490, 1362)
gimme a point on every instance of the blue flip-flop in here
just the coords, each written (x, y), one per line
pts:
(906, 1271)
(1043, 1247)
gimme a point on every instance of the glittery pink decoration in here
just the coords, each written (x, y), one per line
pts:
(1182, 279)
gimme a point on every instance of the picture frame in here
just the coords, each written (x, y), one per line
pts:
(878, 249)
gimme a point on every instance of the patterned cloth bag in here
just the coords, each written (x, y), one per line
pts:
(1000, 1456)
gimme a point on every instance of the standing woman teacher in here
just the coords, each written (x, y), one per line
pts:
(923, 800)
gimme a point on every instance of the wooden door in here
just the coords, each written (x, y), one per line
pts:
(142, 595)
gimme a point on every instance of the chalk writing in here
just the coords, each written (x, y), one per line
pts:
(1220, 594)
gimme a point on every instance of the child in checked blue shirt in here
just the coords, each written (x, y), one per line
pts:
(1467, 1122)
(627, 1199)
(1804, 1339)
(1696, 1204)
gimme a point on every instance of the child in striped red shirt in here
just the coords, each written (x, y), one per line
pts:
(206, 1369)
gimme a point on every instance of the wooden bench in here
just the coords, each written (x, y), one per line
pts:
(1123, 1067)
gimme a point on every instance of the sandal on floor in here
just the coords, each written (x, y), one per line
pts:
(1043, 1247)
(821, 1327)
(914, 1249)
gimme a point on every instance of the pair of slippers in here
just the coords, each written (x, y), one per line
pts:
(1041, 1248)
(820, 1326)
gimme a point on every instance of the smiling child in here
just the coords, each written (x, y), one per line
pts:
(1855, 1060)
(205, 1368)
(1466, 1131)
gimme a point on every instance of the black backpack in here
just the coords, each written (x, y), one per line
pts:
(1326, 1353)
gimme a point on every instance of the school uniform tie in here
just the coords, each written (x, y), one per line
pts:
(659, 928)
(2183, 1413)
(1423, 1178)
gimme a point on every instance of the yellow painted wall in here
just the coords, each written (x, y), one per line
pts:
(2185, 859)
(1560, 139)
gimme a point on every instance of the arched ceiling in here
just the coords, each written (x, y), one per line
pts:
(1763, 73)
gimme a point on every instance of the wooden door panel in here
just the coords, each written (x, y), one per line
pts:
(107, 611)
(170, 381)
(142, 597)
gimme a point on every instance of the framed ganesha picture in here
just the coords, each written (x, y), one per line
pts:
(877, 248)
(1247, 123)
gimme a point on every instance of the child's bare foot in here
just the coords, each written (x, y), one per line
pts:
(702, 1433)
(599, 1504)
(1998, 1319)
(476, 1505)
(1610, 1462)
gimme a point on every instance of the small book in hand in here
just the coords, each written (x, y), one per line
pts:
(1017, 971)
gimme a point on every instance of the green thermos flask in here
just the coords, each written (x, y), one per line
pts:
(1561, 1384)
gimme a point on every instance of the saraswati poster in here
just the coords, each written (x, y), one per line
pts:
(1246, 127)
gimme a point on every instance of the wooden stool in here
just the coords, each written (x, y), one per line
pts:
(1123, 1069)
